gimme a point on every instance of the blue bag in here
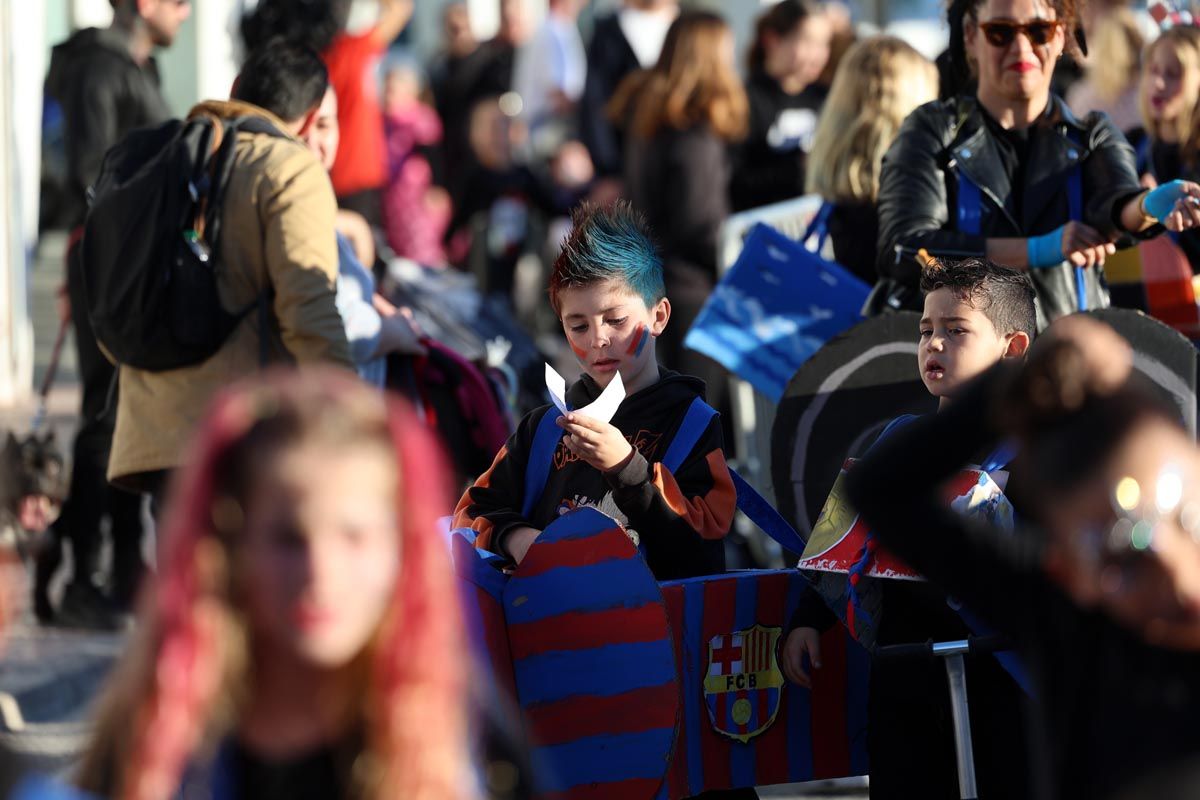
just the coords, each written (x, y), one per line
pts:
(775, 307)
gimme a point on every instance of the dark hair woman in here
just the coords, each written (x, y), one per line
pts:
(681, 116)
(790, 49)
(1011, 174)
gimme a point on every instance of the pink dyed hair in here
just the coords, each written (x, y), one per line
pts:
(416, 726)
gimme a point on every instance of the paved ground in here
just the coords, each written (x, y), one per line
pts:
(53, 676)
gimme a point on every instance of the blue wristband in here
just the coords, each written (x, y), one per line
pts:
(1045, 250)
(1160, 202)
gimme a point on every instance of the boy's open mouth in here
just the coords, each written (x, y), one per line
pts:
(934, 369)
(606, 364)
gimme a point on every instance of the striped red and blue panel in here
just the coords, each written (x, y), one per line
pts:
(818, 734)
(593, 661)
(482, 591)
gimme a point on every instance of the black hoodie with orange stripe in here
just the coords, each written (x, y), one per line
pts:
(680, 518)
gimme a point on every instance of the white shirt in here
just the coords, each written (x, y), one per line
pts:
(646, 31)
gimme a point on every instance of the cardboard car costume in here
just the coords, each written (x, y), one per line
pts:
(635, 689)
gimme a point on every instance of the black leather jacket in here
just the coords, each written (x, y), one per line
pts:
(918, 194)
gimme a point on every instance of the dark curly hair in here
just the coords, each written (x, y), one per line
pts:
(312, 23)
(1004, 295)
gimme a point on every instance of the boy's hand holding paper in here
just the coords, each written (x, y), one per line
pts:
(589, 434)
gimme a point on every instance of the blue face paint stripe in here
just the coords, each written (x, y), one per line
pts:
(743, 767)
(642, 343)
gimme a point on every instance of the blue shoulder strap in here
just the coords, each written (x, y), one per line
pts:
(1075, 204)
(819, 226)
(970, 205)
(695, 423)
(699, 415)
(541, 458)
(970, 215)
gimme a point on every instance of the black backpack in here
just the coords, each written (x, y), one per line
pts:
(151, 243)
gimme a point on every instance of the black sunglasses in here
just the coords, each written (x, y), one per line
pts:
(1001, 34)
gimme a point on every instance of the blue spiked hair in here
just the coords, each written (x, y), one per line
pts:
(609, 242)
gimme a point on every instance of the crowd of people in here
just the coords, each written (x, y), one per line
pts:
(301, 634)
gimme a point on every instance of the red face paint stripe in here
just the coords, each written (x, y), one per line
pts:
(579, 352)
(639, 341)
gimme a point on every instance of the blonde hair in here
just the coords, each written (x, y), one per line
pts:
(1116, 50)
(691, 84)
(879, 82)
(1185, 42)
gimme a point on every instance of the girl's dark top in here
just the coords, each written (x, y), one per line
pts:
(770, 162)
(1111, 708)
(316, 775)
(853, 229)
(680, 180)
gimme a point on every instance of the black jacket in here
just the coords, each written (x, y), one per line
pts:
(680, 518)
(1111, 707)
(770, 162)
(918, 195)
(680, 181)
(610, 58)
(104, 95)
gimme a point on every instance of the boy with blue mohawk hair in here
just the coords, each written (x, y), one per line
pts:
(607, 289)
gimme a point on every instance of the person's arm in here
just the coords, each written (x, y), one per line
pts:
(393, 19)
(675, 513)
(300, 249)
(491, 506)
(897, 489)
(93, 107)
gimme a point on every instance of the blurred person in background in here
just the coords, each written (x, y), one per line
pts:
(499, 53)
(107, 82)
(790, 49)
(1111, 74)
(623, 42)
(881, 80)
(417, 213)
(454, 76)
(841, 22)
(302, 638)
(549, 76)
(360, 173)
(374, 327)
(680, 119)
(1170, 107)
(993, 173)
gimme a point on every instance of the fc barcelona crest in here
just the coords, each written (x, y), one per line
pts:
(744, 685)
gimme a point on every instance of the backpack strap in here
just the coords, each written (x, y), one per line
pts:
(695, 423)
(541, 458)
(756, 507)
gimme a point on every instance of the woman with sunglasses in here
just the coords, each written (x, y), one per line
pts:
(1011, 174)
(1102, 597)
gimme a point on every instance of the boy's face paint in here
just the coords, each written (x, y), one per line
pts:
(958, 342)
(640, 337)
(609, 328)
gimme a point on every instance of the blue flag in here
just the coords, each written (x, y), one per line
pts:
(775, 308)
